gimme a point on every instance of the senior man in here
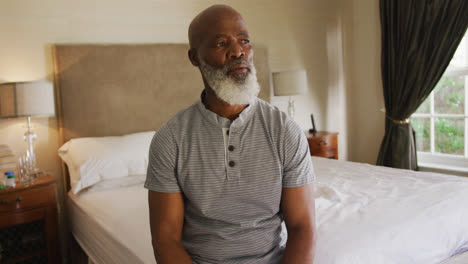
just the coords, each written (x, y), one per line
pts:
(225, 172)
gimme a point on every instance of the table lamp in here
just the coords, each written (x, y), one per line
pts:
(289, 83)
(26, 99)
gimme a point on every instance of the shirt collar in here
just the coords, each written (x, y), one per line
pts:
(220, 121)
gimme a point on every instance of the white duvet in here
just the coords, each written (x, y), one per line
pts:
(371, 214)
(365, 215)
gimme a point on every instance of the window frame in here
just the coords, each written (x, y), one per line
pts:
(434, 159)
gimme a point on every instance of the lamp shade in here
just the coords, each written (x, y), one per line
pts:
(27, 99)
(289, 83)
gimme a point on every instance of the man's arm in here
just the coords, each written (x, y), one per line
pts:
(298, 208)
(166, 211)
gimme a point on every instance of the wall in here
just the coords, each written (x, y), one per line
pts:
(354, 93)
(297, 34)
(360, 31)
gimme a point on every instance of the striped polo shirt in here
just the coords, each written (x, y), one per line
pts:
(232, 182)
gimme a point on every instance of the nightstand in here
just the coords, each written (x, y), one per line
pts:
(323, 144)
(29, 224)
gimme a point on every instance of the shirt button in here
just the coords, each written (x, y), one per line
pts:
(232, 163)
(231, 148)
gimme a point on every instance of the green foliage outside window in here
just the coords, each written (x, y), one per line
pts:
(449, 136)
(422, 127)
(449, 98)
(449, 95)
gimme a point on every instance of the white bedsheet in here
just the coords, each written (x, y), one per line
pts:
(112, 226)
(365, 215)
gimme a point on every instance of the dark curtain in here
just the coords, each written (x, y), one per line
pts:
(419, 38)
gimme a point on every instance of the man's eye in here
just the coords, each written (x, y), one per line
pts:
(221, 44)
(245, 41)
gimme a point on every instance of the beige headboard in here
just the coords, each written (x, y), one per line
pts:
(107, 90)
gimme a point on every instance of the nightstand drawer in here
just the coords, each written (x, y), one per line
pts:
(29, 198)
(31, 212)
(330, 154)
(322, 144)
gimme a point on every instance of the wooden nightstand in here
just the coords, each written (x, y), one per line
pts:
(28, 223)
(323, 144)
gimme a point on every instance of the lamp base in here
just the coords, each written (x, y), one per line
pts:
(29, 159)
(291, 108)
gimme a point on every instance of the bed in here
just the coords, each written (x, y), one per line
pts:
(365, 213)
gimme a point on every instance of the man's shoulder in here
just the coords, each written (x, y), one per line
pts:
(183, 116)
(272, 113)
(180, 120)
(276, 119)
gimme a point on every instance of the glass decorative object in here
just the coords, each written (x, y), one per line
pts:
(30, 138)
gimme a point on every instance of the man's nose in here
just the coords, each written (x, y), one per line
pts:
(236, 51)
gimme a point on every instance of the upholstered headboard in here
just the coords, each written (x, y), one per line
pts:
(108, 90)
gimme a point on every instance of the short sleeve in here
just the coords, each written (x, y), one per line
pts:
(161, 173)
(298, 169)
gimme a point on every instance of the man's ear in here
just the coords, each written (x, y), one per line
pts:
(193, 57)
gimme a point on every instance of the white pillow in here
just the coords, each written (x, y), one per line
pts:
(94, 159)
(130, 180)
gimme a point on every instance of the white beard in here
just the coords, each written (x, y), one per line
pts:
(238, 90)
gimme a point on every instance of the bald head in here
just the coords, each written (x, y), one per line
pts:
(220, 47)
(207, 19)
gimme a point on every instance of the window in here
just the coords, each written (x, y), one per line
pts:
(441, 122)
